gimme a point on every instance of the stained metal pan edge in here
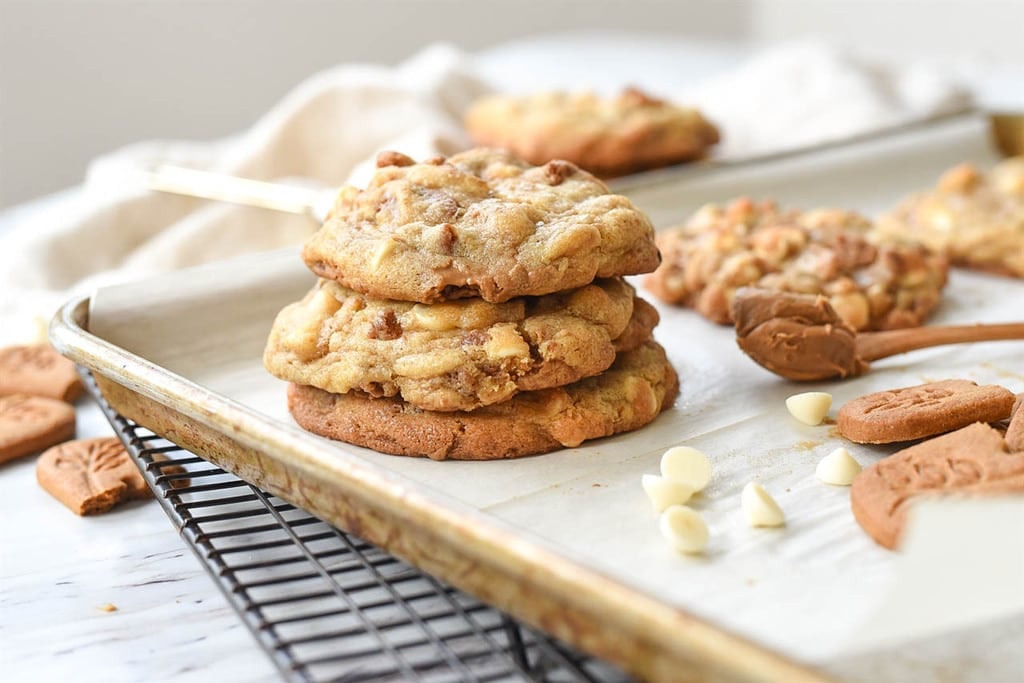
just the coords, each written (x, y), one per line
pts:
(455, 543)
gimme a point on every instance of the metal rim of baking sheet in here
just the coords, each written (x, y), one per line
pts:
(477, 554)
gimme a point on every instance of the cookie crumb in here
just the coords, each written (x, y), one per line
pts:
(108, 607)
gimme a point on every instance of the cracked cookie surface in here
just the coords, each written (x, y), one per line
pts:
(975, 218)
(607, 136)
(478, 224)
(639, 385)
(825, 251)
(457, 355)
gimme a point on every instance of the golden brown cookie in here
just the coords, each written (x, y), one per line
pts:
(826, 251)
(627, 396)
(975, 218)
(457, 355)
(481, 223)
(90, 476)
(923, 410)
(639, 328)
(31, 423)
(607, 136)
(38, 370)
(972, 461)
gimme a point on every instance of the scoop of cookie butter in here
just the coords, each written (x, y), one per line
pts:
(797, 336)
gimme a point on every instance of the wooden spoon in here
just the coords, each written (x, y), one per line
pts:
(802, 338)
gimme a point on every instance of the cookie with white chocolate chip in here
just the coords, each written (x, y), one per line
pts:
(825, 251)
(608, 136)
(456, 355)
(630, 394)
(974, 217)
(482, 223)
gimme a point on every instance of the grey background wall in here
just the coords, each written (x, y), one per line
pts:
(81, 77)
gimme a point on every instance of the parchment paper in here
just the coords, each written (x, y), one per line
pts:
(819, 589)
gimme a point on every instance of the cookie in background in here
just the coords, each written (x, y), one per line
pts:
(974, 216)
(609, 137)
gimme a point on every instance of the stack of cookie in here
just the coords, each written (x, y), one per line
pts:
(474, 308)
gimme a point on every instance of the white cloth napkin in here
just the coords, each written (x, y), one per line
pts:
(327, 130)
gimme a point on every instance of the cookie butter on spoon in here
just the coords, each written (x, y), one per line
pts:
(798, 337)
(802, 338)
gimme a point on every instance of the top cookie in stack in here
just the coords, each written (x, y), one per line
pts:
(474, 307)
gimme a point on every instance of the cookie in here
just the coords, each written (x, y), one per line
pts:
(923, 410)
(1015, 431)
(639, 328)
(971, 461)
(607, 136)
(31, 423)
(479, 224)
(457, 355)
(825, 251)
(90, 476)
(627, 396)
(975, 218)
(38, 370)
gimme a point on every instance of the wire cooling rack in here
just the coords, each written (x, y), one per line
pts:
(327, 606)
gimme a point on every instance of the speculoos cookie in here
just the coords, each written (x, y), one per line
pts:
(821, 252)
(608, 136)
(90, 476)
(972, 461)
(920, 411)
(478, 224)
(630, 394)
(38, 370)
(29, 424)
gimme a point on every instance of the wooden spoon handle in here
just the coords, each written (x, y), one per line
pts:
(874, 345)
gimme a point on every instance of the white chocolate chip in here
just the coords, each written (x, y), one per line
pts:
(665, 492)
(760, 508)
(687, 466)
(838, 468)
(810, 407)
(684, 529)
(384, 249)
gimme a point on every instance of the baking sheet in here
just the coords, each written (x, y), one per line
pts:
(812, 590)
